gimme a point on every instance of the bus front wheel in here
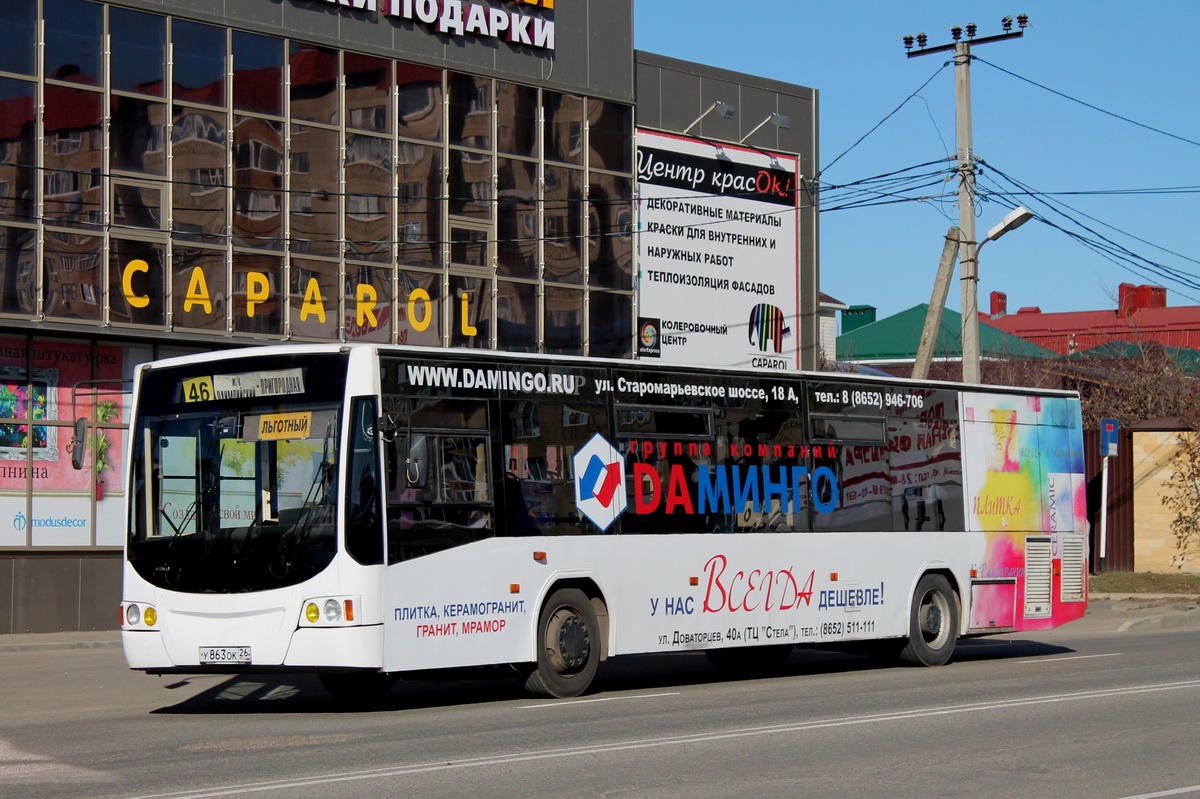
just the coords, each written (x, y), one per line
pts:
(568, 651)
(932, 623)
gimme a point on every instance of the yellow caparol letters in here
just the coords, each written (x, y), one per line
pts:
(468, 329)
(137, 301)
(312, 301)
(197, 292)
(258, 288)
(419, 295)
(366, 296)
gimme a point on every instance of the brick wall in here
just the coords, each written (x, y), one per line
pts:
(1154, 547)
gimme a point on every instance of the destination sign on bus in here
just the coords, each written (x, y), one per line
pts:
(250, 384)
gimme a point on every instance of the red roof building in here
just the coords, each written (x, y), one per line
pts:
(1141, 316)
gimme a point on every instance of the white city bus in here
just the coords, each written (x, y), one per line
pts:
(365, 512)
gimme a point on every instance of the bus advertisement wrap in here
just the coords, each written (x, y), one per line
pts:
(414, 513)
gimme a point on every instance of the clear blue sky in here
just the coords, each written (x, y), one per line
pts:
(1134, 60)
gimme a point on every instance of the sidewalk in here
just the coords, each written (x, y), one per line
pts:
(1106, 613)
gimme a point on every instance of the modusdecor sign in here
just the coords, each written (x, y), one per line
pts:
(718, 254)
(464, 18)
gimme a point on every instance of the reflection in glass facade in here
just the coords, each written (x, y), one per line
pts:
(189, 177)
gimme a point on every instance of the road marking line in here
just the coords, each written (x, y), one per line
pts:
(1072, 657)
(669, 740)
(597, 699)
(1175, 792)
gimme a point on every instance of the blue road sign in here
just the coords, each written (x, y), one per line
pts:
(1109, 435)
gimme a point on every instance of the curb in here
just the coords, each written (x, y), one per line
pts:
(48, 645)
(39, 642)
(1185, 618)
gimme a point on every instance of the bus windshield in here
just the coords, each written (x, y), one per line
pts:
(234, 474)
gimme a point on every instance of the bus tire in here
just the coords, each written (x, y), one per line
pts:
(932, 623)
(357, 687)
(568, 651)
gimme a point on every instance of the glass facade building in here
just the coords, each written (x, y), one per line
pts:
(201, 179)
(189, 175)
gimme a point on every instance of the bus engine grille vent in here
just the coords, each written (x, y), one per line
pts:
(1039, 563)
(1072, 568)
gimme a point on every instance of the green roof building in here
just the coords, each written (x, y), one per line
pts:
(894, 341)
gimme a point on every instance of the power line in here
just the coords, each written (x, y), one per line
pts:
(885, 119)
(1113, 114)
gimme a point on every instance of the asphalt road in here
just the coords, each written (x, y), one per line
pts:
(1095, 710)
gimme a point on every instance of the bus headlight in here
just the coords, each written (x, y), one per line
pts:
(137, 615)
(330, 611)
(333, 611)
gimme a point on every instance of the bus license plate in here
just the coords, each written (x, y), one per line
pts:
(225, 655)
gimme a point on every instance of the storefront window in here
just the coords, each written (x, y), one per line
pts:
(314, 191)
(368, 93)
(563, 224)
(470, 312)
(258, 183)
(516, 119)
(368, 198)
(137, 283)
(419, 307)
(517, 219)
(138, 42)
(420, 101)
(199, 62)
(18, 275)
(257, 295)
(369, 311)
(199, 292)
(137, 204)
(562, 118)
(313, 76)
(17, 154)
(73, 280)
(610, 136)
(73, 34)
(73, 153)
(257, 73)
(470, 111)
(419, 204)
(564, 321)
(610, 232)
(470, 184)
(17, 36)
(138, 131)
(313, 299)
(199, 182)
(610, 325)
(516, 317)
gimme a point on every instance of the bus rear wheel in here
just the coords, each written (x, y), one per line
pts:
(357, 687)
(568, 646)
(932, 623)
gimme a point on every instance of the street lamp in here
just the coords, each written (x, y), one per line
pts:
(781, 121)
(724, 109)
(970, 277)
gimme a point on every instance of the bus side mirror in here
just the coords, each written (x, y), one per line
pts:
(416, 464)
(79, 443)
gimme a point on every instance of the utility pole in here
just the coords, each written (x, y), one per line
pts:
(968, 265)
(933, 316)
